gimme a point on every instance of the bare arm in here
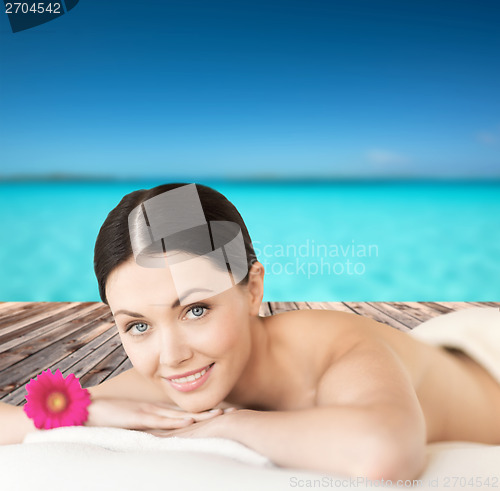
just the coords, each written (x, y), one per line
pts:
(125, 401)
(368, 421)
(14, 424)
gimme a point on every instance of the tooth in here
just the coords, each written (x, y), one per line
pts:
(190, 378)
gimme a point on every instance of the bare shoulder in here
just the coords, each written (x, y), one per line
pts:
(129, 385)
(308, 318)
(337, 332)
(370, 372)
(333, 330)
(348, 357)
(314, 341)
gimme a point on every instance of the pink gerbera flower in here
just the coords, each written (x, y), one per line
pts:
(54, 401)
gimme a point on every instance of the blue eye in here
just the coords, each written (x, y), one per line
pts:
(141, 327)
(197, 311)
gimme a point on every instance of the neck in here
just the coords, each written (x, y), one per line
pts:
(254, 388)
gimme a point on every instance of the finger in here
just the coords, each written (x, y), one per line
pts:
(155, 421)
(183, 432)
(206, 414)
(167, 433)
(160, 433)
(165, 405)
(172, 423)
(179, 413)
(155, 409)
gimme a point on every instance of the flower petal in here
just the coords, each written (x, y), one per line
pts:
(47, 416)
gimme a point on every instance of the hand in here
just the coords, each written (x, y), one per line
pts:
(213, 427)
(136, 415)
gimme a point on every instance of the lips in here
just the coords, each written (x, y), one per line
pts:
(188, 381)
(187, 374)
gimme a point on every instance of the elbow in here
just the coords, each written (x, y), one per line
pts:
(393, 460)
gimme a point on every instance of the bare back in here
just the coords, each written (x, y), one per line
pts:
(459, 398)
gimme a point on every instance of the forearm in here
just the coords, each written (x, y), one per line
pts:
(338, 440)
(14, 424)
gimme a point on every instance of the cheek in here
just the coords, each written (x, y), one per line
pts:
(231, 335)
(141, 357)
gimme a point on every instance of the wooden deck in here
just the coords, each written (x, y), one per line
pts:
(81, 337)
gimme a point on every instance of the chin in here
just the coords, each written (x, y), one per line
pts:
(203, 405)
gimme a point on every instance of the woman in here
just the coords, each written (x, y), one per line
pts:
(321, 390)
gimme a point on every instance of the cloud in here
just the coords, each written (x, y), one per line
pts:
(489, 137)
(386, 159)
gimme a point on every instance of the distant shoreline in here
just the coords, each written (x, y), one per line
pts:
(73, 178)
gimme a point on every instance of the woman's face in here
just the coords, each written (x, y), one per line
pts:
(207, 336)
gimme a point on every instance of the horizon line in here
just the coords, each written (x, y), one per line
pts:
(256, 178)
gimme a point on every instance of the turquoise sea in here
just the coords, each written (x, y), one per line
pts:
(350, 241)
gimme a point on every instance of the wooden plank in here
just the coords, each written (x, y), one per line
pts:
(34, 356)
(48, 335)
(437, 307)
(485, 304)
(18, 377)
(124, 366)
(302, 306)
(454, 305)
(10, 306)
(418, 310)
(367, 310)
(340, 306)
(19, 373)
(45, 315)
(50, 326)
(101, 370)
(90, 344)
(25, 311)
(86, 364)
(407, 320)
(13, 307)
(278, 307)
(36, 361)
(265, 310)
(491, 304)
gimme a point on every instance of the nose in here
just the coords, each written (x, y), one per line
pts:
(174, 348)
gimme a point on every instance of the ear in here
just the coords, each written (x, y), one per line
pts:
(255, 287)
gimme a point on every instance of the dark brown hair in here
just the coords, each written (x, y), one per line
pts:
(113, 246)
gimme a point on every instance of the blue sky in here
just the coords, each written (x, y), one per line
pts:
(259, 88)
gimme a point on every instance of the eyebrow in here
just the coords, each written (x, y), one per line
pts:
(174, 305)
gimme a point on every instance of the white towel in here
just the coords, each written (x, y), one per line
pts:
(104, 459)
(475, 331)
(120, 440)
(108, 459)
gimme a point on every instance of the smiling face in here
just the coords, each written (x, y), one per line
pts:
(166, 338)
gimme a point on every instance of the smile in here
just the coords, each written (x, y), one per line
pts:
(191, 381)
